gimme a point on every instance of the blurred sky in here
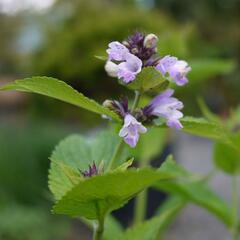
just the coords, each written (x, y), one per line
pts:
(14, 6)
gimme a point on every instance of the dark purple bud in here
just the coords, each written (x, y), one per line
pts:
(92, 171)
(144, 47)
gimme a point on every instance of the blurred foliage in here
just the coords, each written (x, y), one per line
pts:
(9, 29)
(73, 41)
(24, 199)
(24, 160)
(76, 31)
(18, 222)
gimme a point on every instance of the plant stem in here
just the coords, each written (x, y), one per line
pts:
(136, 100)
(140, 207)
(140, 201)
(98, 230)
(234, 208)
(116, 155)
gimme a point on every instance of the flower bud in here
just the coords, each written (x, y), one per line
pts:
(111, 69)
(108, 104)
(134, 51)
(150, 41)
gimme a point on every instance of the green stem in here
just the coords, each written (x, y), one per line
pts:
(234, 208)
(136, 100)
(140, 207)
(116, 155)
(98, 230)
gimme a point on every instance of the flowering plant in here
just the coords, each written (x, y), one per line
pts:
(91, 177)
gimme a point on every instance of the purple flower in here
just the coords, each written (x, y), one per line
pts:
(129, 66)
(177, 69)
(128, 70)
(117, 51)
(166, 106)
(131, 129)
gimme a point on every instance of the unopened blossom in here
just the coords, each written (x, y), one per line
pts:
(117, 51)
(128, 70)
(131, 130)
(166, 106)
(119, 107)
(150, 41)
(177, 69)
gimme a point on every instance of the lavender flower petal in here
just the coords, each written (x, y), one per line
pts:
(128, 70)
(131, 129)
(166, 106)
(111, 68)
(177, 69)
(117, 51)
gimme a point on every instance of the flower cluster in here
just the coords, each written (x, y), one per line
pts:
(125, 61)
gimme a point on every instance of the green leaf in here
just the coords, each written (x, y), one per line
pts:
(148, 79)
(150, 144)
(103, 58)
(203, 128)
(112, 227)
(174, 204)
(189, 187)
(96, 196)
(125, 165)
(153, 228)
(203, 69)
(54, 88)
(207, 112)
(76, 153)
(227, 158)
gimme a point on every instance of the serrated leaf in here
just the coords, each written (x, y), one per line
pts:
(227, 158)
(54, 88)
(96, 196)
(77, 153)
(148, 79)
(193, 190)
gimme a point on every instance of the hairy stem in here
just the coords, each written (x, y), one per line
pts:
(98, 230)
(234, 208)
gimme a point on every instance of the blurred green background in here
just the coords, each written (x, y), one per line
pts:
(61, 40)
